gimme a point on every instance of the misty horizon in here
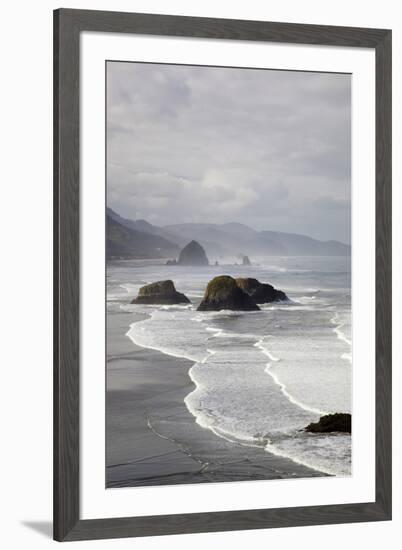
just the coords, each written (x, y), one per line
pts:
(228, 223)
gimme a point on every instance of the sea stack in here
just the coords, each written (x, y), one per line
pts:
(338, 422)
(161, 292)
(246, 261)
(223, 293)
(193, 254)
(261, 293)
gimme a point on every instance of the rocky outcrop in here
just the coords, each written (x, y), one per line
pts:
(193, 254)
(246, 260)
(223, 293)
(338, 422)
(161, 292)
(261, 293)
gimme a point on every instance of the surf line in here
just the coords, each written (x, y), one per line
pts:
(341, 336)
(134, 337)
(207, 422)
(337, 329)
(282, 386)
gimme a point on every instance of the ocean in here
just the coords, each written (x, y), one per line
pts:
(259, 377)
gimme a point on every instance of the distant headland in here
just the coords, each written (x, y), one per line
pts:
(139, 239)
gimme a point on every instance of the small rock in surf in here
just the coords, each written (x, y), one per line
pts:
(223, 293)
(338, 422)
(261, 293)
(161, 292)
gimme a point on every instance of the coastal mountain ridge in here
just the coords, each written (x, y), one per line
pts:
(143, 226)
(125, 242)
(145, 240)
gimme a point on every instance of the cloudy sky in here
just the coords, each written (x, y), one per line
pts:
(270, 149)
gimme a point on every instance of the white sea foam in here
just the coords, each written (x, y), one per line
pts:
(155, 333)
(347, 357)
(338, 329)
(173, 307)
(307, 299)
(261, 377)
(268, 370)
(290, 307)
(315, 455)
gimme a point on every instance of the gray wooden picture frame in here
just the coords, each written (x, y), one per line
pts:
(68, 24)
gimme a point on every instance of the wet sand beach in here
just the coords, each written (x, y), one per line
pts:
(152, 438)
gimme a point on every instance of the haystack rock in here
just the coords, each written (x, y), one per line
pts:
(246, 260)
(193, 254)
(161, 292)
(338, 422)
(261, 293)
(223, 293)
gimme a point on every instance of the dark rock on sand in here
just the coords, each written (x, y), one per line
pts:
(261, 293)
(171, 262)
(223, 293)
(246, 260)
(193, 254)
(338, 422)
(161, 292)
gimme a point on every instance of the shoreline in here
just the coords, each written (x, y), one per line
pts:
(151, 436)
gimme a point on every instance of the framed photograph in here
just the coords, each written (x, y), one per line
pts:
(222, 287)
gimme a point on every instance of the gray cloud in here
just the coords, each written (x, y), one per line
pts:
(201, 144)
